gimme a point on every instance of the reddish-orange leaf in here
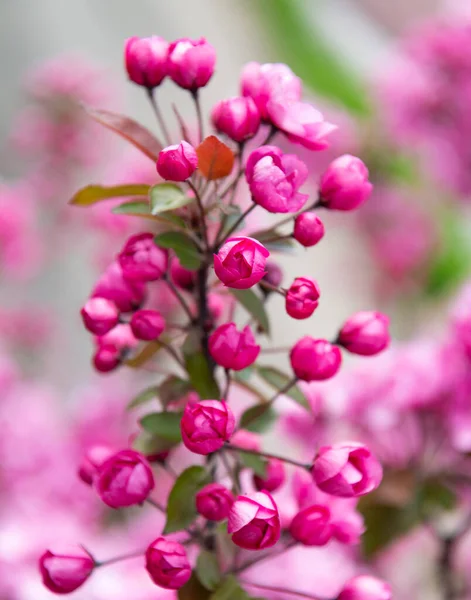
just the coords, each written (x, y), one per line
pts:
(215, 159)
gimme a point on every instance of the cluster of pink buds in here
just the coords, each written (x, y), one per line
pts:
(194, 245)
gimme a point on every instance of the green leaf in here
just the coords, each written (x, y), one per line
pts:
(207, 569)
(193, 590)
(278, 380)
(229, 590)
(167, 196)
(91, 194)
(258, 418)
(181, 509)
(384, 524)
(144, 355)
(183, 247)
(244, 374)
(143, 397)
(254, 306)
(201, 376)
(134, 207)
(172, 389)
(434, 495)
(256, 463)
(165, 425)
(149, 444)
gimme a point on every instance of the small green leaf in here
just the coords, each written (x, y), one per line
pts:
(193, 590)
(278, 380)
(229, 590)
(143, 397)
(434, 495)
(165, 425)
(384, 524)
(149, 444)
(134, 207)
(256, 463)
(91, 194)
(181, 509)
(258, 418)
(144, 355)
(167, 196)
(254, 306)
(183, 247)
(172, 389)
(201, 377)
(207, 569)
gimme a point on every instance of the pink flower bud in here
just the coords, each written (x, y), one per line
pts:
(64, 573)
(365, 333)
(233, 349)
(99, 315)
(254, 521)
(348, 527)
(167, 564)
(106, 358)
(177, 162)
(146, 60)
(301, 122)
(206, 426)
(142, 260)
(315, 360)
(366, 587)
(112, 285)
(274, 476)
(302, 298)
(216, 305)
(147, 324)
(308, 229)
(93, 458)
(214, 502)
(191, 63)
(124, 479)
(248, 440)
(274, 274)
(346, 470)
(238, 118)
(182, 277)
(264, 82)
(311, 526)
(240, 262)
(345, 185)
(274, 179)
(121, 337)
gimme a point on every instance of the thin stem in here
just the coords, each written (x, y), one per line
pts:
(237, 223)
(272, 288)
(230, 472)
(153, 101)
(227, 373)
(156, 505)
(291, 461)
(201, 211)
(199, 114)
(276, 350)
(172, 353)
(253, 561)
(271, 134)
(111, 561)
(316, 204)
(180, 298)
(280, 590)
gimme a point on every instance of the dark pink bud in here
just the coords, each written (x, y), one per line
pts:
(106, 358)
(254, 521)
(366, 587)
(214, 502)
(238, 118)
(142, 260)
(64, 573)
(345, 185)
(233, 349)
(114, 286)
(167, 564)
(308, 229)
(206, 426)
(147, 324)
(240, 262)
(346, 470)
(124, 479)
(182, 277)
(191, 63)
(146, 60)
(302, 298)
(274, 476)
(99, 315)
(177, 162)
(274, 179)
(365, 333)
(274, 274)
(93, 458)
(315, 360)
(311, 526)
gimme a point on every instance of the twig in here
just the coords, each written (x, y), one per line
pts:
(158, 114)
(180, 298)
(199, 114)
(202, 214)
(235, 225)
(291, 461)
(110, 561)
(280, 590)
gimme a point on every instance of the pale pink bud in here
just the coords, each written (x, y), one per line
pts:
(315, 360)
(182, 277)
(99, 315)
(216, 305)
(240, 262)
(274, 179)
(254, 521)
(311, 526)
(348, 527)
(106, 358)
(308, 229)
(124, 479)
(274, 476)
(238, 118)
(147, 324)
(142, 260)
(191, 63)
(274, 274)
(248, 440)
(345, 185)
(366, 587)
(93, 458)
(346, 470)
(233, 349)
(365, 333)
(302, 298)
(64, 573)
(206, 426)
(121, 337)
(214, 502)
(167, 564)
(114, 286)
(177, 162)
(264, 82)
(146, 60)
